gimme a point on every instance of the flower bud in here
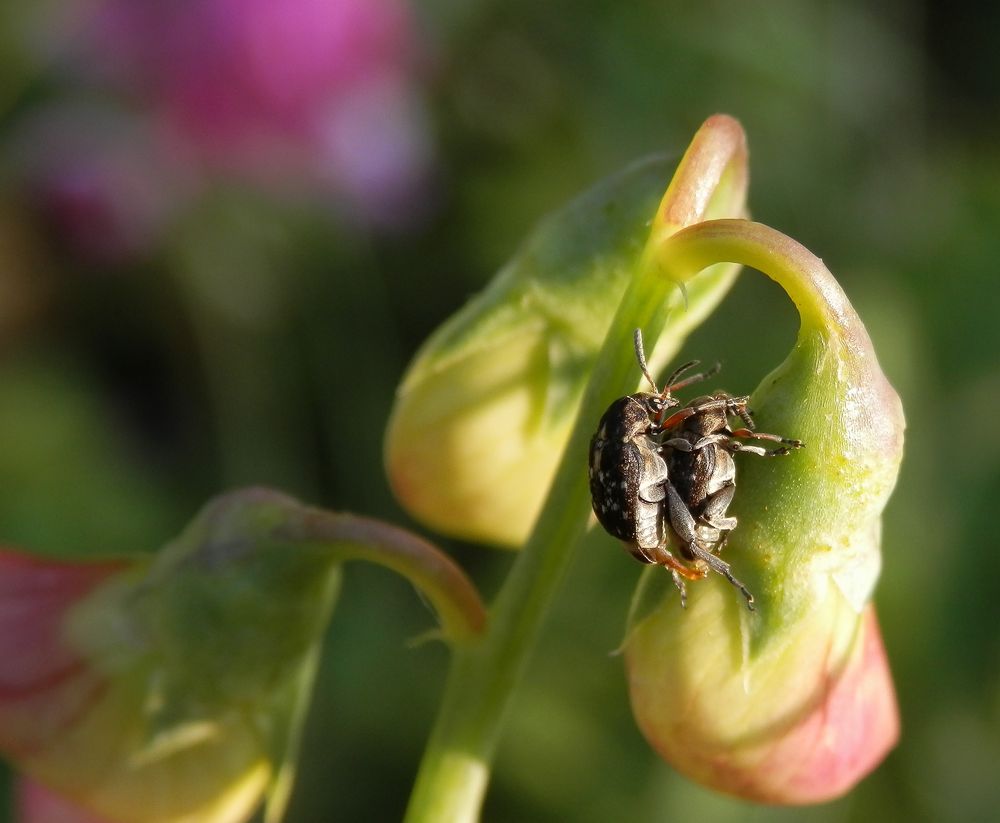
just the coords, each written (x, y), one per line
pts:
(792, 703)
(166, 691)
(486, 408)
(174, 688)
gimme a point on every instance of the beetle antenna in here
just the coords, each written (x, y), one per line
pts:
(673, 383)
(640, 355)
(694, 378)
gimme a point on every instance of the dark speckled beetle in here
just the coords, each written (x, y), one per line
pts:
(628, 473)
(654, 476)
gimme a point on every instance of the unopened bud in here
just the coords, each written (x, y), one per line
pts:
(792, 703)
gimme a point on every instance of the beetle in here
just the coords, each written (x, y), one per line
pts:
(628, 472)
(698, 448)
(654, 476)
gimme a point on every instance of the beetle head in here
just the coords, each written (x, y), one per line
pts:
(659, 401)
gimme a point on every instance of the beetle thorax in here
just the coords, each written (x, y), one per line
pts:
(708, 421)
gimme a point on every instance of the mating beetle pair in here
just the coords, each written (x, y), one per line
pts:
(659, 476)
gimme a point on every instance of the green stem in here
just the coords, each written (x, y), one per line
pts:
(455, 769)
(710, 179)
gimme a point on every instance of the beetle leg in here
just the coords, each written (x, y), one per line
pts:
(676, 417)
(654, 474)
(788, 442)
(662, 556)
(717, 564)
(652, 491)
(681, 415)
(758, 450)
(680, 516)
(684, 445)
(713, 512)
(684, 524)
(765, 436)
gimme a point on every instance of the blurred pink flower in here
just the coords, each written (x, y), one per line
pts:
(36, 804)
(82, 722)
(98, 180)
(315, 94)
(44, 684)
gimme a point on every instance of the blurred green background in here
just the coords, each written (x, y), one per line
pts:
(178, 317)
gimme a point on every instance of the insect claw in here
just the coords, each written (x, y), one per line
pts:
(679, 583)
